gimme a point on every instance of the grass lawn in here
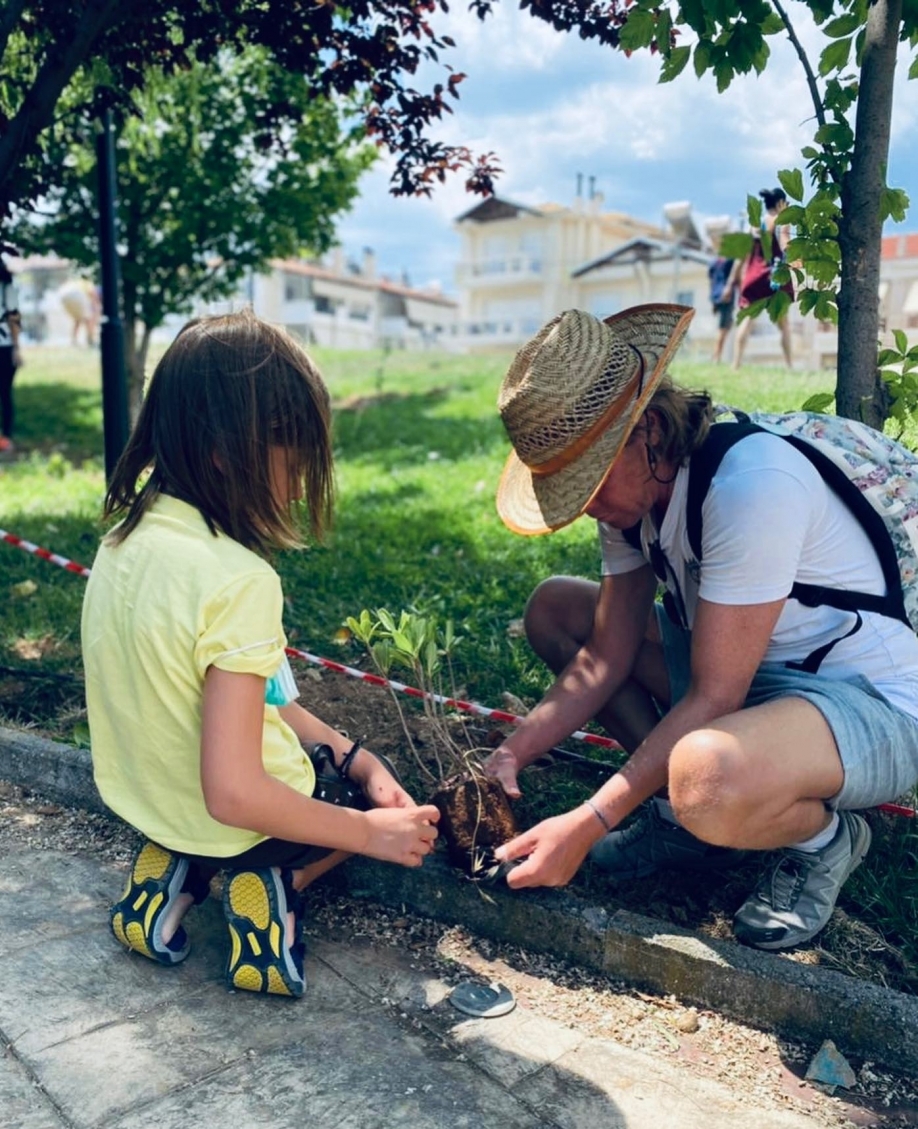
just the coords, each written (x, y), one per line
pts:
(419, 453)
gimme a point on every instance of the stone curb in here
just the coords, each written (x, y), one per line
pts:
(763, 989)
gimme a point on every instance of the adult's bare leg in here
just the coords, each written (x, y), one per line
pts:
(757, 779)
(559, 620)
(739, 344)
(784, 327)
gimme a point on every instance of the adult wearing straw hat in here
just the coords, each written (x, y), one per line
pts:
(730, 748)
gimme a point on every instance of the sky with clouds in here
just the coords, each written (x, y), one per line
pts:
(551, 106)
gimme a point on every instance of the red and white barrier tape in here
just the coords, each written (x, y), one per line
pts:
(453, 703)
(378, 680)
(45, 555)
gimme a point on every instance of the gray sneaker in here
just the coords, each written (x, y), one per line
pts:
(652, 843)
(796, 897)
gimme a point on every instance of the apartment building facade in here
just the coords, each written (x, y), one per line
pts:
(520, 265)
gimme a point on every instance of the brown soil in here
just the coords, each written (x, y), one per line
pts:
(475, 818)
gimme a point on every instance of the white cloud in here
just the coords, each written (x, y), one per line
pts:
(551, 106)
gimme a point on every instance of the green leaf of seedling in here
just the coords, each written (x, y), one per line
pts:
(382, 655)
(405, 643)
(901, 339)
(888, 357)
(385, 618)
(754, 211)
(431, 658)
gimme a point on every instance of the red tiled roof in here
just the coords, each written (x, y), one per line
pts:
(314, 270)
(904, 246)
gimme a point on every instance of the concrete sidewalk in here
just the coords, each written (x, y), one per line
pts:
(771, 991)
(94, 1036)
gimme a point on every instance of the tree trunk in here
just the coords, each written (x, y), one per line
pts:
(37, 109)
(136, 355)
(860, 393)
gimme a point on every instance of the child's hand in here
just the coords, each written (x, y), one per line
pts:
(400, 834)
(379, 785)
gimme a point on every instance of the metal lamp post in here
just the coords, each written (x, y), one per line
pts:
(114, 383)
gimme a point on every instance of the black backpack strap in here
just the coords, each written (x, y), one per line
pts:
(812, 595)
(703, 466)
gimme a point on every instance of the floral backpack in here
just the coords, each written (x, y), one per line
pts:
(874, 476)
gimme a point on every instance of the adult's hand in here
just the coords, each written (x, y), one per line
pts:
(503, 766)
(552, 851)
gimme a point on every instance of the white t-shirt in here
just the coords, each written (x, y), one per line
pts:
(769, 519)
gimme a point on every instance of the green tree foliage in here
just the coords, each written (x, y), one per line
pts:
(836, 246)
(208, 188)
(105, 48)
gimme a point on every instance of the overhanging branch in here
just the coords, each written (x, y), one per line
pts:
(804, 62)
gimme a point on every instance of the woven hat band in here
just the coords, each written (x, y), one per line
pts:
(585, 441)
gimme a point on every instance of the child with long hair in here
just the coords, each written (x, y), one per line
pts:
(197, 740)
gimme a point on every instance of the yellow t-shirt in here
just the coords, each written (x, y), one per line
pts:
(160, 608)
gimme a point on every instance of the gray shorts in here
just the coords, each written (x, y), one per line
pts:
(877, 742)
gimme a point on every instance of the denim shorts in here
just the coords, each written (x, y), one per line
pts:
(877, 742)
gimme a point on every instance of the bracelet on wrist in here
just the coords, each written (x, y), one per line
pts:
(344, 769)
(595, 810)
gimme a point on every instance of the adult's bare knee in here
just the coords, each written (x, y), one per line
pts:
(707, 787)
(559, 618)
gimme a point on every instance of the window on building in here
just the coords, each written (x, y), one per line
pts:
(296, 287)
(323, 305)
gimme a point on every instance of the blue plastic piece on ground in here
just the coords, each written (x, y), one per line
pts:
(830, 1067)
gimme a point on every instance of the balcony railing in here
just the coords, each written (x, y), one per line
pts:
(513, 266)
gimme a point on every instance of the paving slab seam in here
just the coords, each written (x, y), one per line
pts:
(761, 989)
(417, 1020)
(7, 1048)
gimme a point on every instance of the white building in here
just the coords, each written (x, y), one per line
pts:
(519, 266)
(333, 303)
(346, 306)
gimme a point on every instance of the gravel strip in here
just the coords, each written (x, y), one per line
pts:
(768, 1070)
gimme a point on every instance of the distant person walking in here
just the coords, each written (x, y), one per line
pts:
(723, 298)
(80, 299)
(755, 273)
(10, 359)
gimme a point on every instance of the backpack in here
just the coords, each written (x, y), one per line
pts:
(874, 476)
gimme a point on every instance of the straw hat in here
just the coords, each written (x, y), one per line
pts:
(570, 400)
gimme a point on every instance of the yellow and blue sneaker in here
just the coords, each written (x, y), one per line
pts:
(157, 877)
(256, 904)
